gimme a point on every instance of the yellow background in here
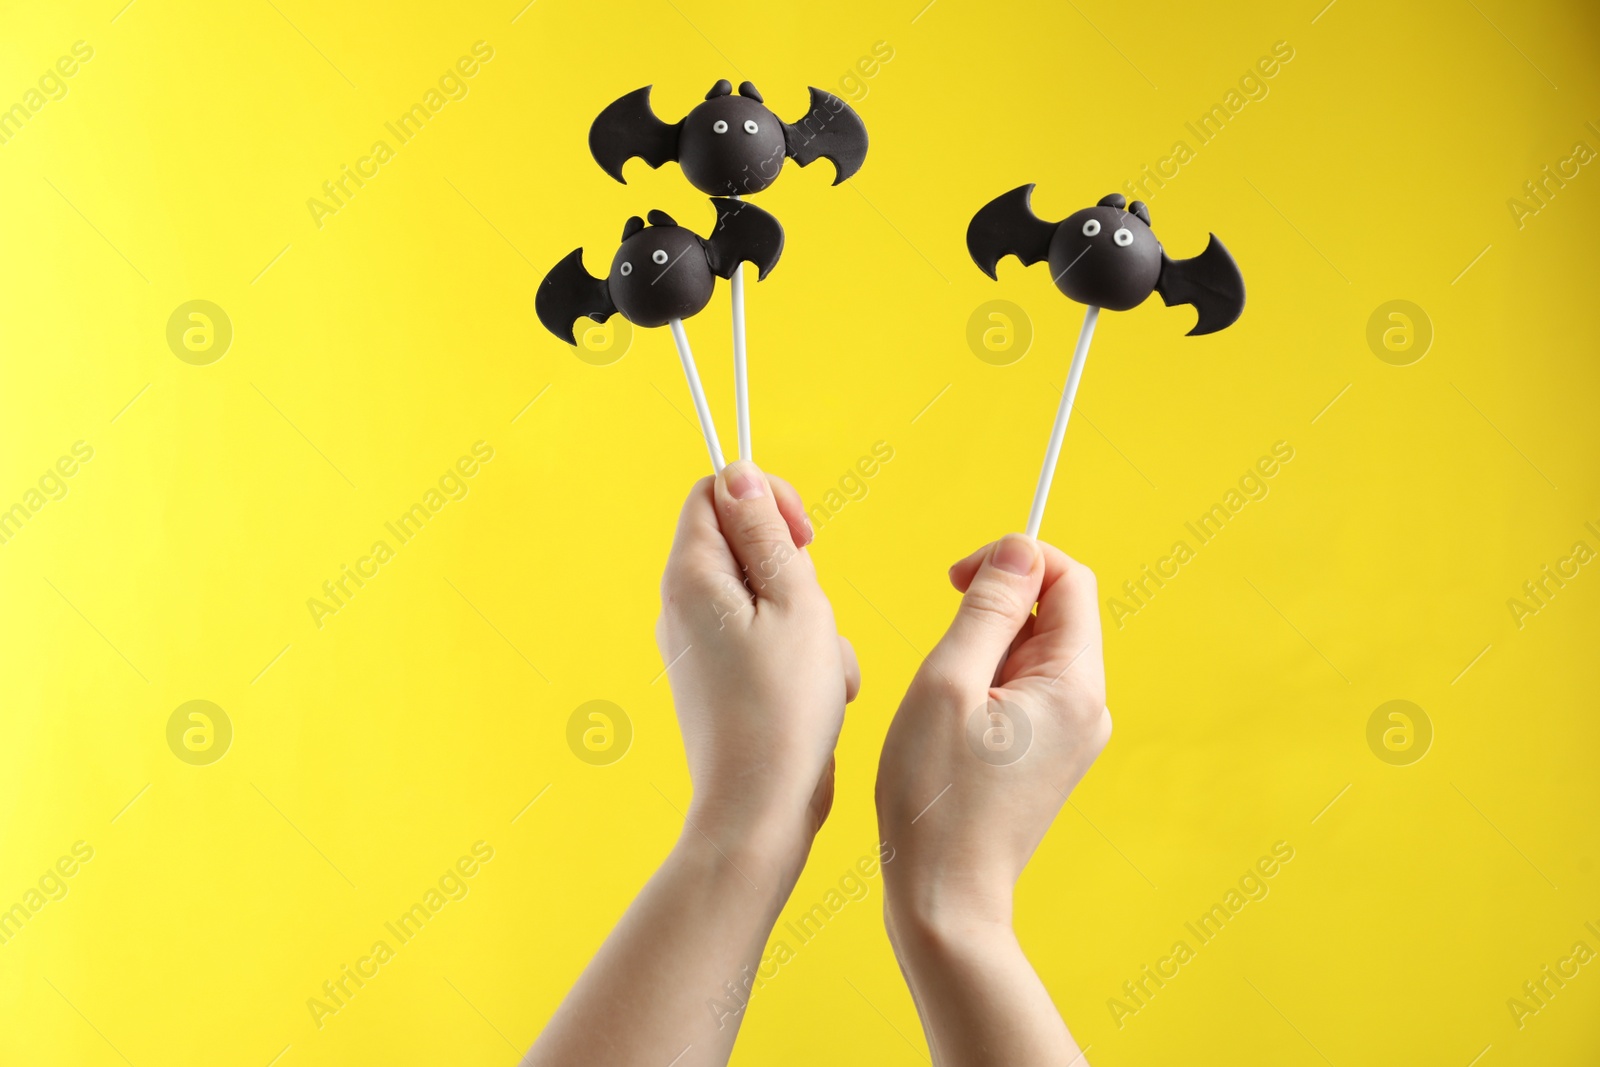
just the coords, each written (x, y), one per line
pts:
(370, 353)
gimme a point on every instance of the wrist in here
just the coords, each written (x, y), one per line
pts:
(938, 937)
(767, 848)
(952, 907)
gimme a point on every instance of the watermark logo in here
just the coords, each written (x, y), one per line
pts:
(50, 87)
(199, 733)
(1252, 86)
(453, 885)
(1252, 886)
(599, 733)
(852, 486)
(1399, 333)
(52, 886)
(1140, 591)
(999, 333)
(1399, 733)
(199, 332)
(1538, 591)
(601, 344)
(999, 733)
(1551, 179)
(1538, 992)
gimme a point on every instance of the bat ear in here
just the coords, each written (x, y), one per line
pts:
(722, 88)
(1007, 226)
(830, 130)
(1116, 200)
(748, 91)
(661, 218)
(628, 128)
(1210, 281)
(1138, 210)
(632, 226)
(744, 233)
(570, 291)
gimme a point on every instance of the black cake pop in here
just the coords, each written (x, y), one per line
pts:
(1106, 256)
(661, 272)
(729, 145)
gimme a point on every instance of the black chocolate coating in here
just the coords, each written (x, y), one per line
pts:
(660, 274)
(569, 292)
(1210, 281)
(1096, 269)
(1093, 268)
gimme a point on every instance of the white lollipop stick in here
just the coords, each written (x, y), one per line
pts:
(741, 378)
(1053, 452)
(707, 427)
(1058, 433)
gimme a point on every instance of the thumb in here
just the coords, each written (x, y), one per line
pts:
(758, 534)
(997, 603)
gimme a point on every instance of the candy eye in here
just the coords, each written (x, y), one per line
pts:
(1123, 238)
(1091, 227)
(627, 269)
(751, 127)
(659, 255)
(719, 127)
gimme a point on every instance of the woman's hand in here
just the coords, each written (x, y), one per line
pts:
(760, 675)
(760, 678)
(975, 767)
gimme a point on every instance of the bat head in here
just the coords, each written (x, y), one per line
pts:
(1106, 255)
(660, 272)
(731, 145)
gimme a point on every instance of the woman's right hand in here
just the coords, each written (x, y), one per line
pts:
(973, 771)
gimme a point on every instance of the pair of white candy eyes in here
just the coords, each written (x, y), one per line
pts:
(722, 127)
(1123, 236)
(658, 257)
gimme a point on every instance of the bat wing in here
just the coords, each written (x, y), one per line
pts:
(628, 128)
(1210, 281)
(568, 292)
(830, 130)
(1007, 226)
(744, 233)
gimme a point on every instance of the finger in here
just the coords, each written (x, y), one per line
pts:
(997, 602)
(792, 510)
(698, 547)
(1067, 627)
(758, 535)
(852, 668)
(963, 570)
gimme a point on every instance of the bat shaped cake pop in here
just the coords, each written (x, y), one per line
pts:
(1104, 256)
(662, 274)
(729, 145)
(1107, 256)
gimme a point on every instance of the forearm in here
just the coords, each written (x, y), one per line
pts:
(659, 986)
(980, 1000)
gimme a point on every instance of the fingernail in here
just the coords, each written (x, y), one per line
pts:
(810, 531)
(744, 480)
(1015, 554)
